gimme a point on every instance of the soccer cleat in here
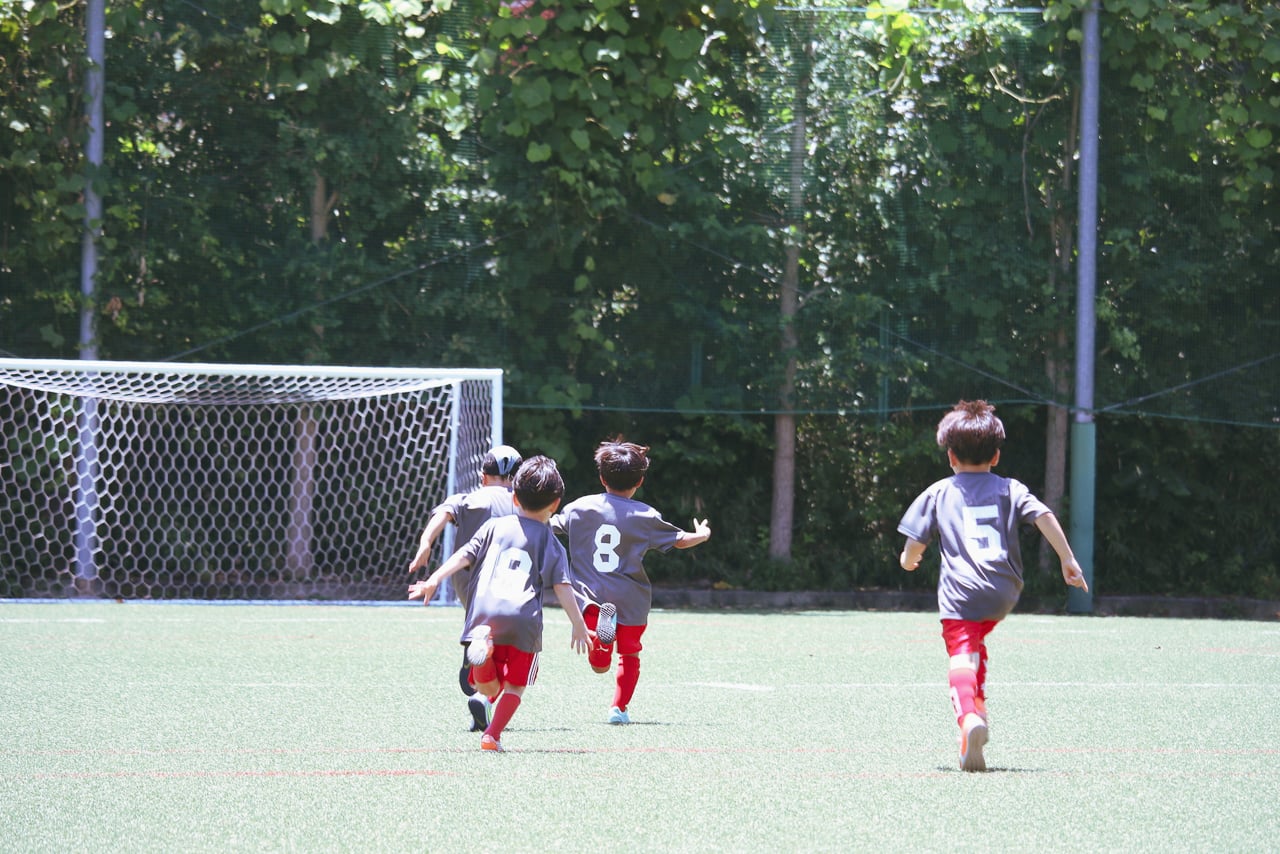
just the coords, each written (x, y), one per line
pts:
(607, 625)
(480, 709)
(488, 742)
(617, 716)
(973, 737)
(479, 646)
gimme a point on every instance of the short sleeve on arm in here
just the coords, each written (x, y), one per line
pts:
(920, 521)
(1026, 507)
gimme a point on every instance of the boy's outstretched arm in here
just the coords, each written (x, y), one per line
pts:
(426, 589)
(435, 525)
(911, 554)
(578, 639)
(1052, 531)
(701, 533)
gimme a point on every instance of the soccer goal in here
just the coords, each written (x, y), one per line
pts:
(138, 480)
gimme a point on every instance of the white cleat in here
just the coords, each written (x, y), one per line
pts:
(479, 646)
(973, 737)
(607, 625)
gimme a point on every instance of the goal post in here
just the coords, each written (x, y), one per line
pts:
(142, 480)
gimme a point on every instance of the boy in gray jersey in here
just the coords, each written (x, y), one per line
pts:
(515, 559)
(467, 511)
(608, 536)
(975, 514)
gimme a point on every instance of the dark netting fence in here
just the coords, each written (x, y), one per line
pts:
(880, 219)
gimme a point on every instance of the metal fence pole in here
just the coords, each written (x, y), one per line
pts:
(1083, 429)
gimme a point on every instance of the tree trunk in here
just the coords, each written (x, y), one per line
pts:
(1057, 429)
(300, 561)
(782, 515)
(1058, 357)
(322, 202)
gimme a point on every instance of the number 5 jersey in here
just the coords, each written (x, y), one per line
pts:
(975, 516)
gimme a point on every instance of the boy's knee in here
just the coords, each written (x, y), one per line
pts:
(966, 661)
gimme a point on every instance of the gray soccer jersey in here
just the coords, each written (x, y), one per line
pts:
(975, 516)
(470, 510)
(608, 537)
(514, 560)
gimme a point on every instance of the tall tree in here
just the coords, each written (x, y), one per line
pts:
(260, 162)
(606, 151)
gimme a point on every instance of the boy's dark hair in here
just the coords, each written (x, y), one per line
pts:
(538, 483)
(622, 464)
(971, 431)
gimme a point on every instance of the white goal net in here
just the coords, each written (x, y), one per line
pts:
(181, 481)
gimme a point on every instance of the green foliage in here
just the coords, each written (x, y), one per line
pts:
(598, 197)
(253, 163)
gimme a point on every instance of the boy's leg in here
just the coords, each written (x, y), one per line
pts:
(599, 656)
(478, 705)
(966, 646)
(629, 648)
(503, 711)
(980, 700)
(464, 676)
(967, 671)
(520, 669)
(488, 678)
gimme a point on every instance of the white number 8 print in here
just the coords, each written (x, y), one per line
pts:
(981, 532)
(608, 538)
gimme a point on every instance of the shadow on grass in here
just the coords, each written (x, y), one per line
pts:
(991, 770)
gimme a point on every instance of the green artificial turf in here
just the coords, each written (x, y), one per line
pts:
(180, 727)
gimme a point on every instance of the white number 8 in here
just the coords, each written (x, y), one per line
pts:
(981, 532)
(606, 559)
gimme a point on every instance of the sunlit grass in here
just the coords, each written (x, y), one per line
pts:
(310, 728)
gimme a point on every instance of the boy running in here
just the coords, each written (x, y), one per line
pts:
(975, 514)
(608, 536)
(515, 558)
(467, 511)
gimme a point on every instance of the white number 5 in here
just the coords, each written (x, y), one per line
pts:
(981, 532)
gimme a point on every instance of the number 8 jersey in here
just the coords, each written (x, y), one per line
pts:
(608, 536)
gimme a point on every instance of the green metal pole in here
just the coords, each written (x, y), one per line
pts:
(1084, 443)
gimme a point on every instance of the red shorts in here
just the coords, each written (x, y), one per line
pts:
(509, 665)
(626, 639)
(965, 637)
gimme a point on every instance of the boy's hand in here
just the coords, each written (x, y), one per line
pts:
(1073, 574)
(912, 552)
(423, 590)
(419, 561)
(579, 640)
(702, 529)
